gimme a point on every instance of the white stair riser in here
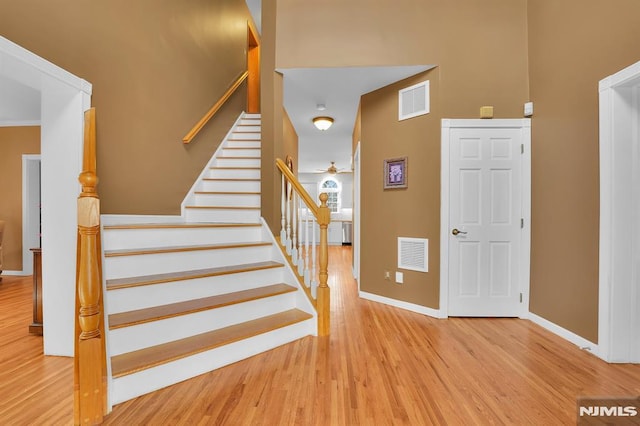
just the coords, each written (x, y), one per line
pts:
(245, 136)
(231, 185)
(251, 120)
(240, 152)
(115, 239)
(145, 381)
(251, 128)
(246, 173)
(223, 215)
(129, 339)
(242, 144)
(230, 200)
(148, 264)
(237, 162)
(130, 299)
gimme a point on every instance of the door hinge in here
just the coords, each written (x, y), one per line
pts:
(520, 297)
(521, 223)
(521, 148)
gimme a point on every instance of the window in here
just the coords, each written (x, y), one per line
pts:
(332, 188)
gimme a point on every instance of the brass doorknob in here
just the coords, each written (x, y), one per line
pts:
(456, 232)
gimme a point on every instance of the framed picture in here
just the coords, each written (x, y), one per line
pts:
(395, 173)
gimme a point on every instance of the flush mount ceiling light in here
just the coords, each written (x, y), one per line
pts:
(323, 123)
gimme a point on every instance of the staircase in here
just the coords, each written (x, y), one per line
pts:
(188, 294)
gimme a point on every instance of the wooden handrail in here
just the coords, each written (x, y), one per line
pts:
(291, 178)
(90, 382)
(204, 120)
(292, 248)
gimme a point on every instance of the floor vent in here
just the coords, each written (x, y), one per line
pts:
(413, 254)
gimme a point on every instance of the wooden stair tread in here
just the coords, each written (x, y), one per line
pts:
(225, 193)
(133, 362)
(180, 225)
(140, 316)
(173, 249)
(234, 168)
(238, 158)
(232, 179)
(223, 207)
(118, 283)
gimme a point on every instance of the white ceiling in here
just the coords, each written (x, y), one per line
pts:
(19, 104)
(339, 89)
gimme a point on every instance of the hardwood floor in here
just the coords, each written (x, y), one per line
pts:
(380, 366)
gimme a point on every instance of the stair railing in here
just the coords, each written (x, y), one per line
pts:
(90, 380)
(225, 97)
(300, 212)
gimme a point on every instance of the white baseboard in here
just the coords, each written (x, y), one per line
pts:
(119, 219)
(15, 273)
(579, 341)
(435, 313)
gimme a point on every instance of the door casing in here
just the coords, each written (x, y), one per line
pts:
(525, 125)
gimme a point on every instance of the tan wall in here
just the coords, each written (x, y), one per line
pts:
(480, 49)
(412, 212)
(14, 142)
(156, 68)
(290, 139)
(573, 45)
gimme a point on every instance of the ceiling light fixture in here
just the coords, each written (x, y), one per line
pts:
(323, 123)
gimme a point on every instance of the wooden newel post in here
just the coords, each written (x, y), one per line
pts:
(89, 362)
(324, 296)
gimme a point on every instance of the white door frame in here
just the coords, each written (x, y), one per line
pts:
(356, 214)
(30, 209)
(619, 276)
(525, 125)
(64, 98)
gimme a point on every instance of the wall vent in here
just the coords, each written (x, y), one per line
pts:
(413, 101)
(413, 254)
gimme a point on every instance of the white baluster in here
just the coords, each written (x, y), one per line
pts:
(288, 245)
(314, 281)
(294, 222)
(283, 234)
(300, 255)
(307, 273)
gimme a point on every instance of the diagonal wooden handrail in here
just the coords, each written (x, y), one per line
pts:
(204, 120)
(288, 240)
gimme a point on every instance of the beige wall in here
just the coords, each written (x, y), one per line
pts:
(14, 142)
(290, 140)
(156, 68)
(412, 212)
(572, 45)
(480, 49)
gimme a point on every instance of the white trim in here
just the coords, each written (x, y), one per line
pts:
(525, 125)
(130, 219)
(19, 123)
(357, 204)
(15, 273)
(435, 313)
(18, 63)
(27, 256)
(619, 248)
(579, 341)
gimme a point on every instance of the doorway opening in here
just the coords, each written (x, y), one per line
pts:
(253, 67)
(619, 280)
(31, 218)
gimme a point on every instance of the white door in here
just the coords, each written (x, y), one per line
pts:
(485, 221)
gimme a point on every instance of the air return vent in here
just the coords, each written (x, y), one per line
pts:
(413, 254)
(413, 101)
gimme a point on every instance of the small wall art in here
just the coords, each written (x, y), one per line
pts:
(395, 173)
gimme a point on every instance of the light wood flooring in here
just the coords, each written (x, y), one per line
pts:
(380, 366)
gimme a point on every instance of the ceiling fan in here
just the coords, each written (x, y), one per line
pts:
(332, 169)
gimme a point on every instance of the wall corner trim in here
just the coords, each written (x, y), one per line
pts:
(435, 313)
(570, 336)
